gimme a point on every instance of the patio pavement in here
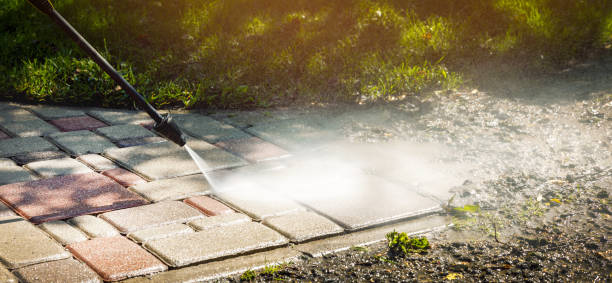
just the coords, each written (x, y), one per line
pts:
(91, 195)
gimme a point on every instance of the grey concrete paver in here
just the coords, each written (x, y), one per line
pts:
(117, 117)
(152, 215)
(173, 189)
(81, 142)
(29, 128)
(29, 157)
(294, 134)
(58, 167)
(6, 276)
(142, 236)
(59, 271)
(97, 162)
(21, 244)
(16, 146)
(259, 204)
(210, 244)
(93, 226)
(302, 226)
(208, 129)
(121, 132)
(14, 114)
(167, 160)
(14, 174)
(63, 232)
(213, 222)
(223, 268)
(51, 112)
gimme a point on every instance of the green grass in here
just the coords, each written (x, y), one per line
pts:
(256, 53)
(400, 244)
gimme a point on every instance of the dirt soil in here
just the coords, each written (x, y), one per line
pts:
(538, 188)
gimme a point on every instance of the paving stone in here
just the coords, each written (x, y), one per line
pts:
(60, 271)
(208, 129)
(26, 158)
(82, 142)
(63, 232)
(6, 276)
(58, 167)
(139, 141)
(21, 244)
(303, 226)
(16, 114)
(142, 236)
(221, 269)
(77, 123)
(152, 215)
(294, 134)
(123, 177)
(5, 211)
(16, 146)
(209, 206)
(94, 227)
(167, 160)
(29, 128)
(116, 117)
(259, 204)
(212, 222)
(6, 162)
(210, 244)
(50, 112)
(122, 132)
(173, 189)
(116, 258)
(253, 149)
(370, 236)
(3, 135)
(97, 162)
(14, 174)
(67, 196)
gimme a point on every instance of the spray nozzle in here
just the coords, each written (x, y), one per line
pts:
(170, 130)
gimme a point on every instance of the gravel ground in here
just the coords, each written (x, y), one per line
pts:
(537, 159)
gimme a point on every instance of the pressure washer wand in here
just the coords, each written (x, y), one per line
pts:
(163, 123)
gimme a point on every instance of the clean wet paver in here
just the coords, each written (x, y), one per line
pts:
(77, 123)
(21, 244)
(253, 149)
(116, 258)
(29, 128)
(168, 160)
(26, 158)
(124, 177)
(97, 162)
(259, 204)
(82, 142)
(152, 215)
(210, 244)
(58, 167)
(16, 146)
(208, 129)
(63, 232)
(173, 189)
(209, 206)
(303, 226)
(67, 196)
(142, 236)
(213, 222)
(14, 174)
(94, 227)
(122, 132)
(59, 271)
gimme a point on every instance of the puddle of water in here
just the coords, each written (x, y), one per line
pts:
(203, 166)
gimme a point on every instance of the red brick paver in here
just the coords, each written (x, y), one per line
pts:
(123, 177)
(253, 149)
(209, 206)
(77, 123)
(116, 258)
(67, 196)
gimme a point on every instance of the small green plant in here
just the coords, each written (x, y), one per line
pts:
(402, 244)
(248, 275)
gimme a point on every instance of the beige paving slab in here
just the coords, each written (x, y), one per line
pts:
(97, 162)
(370, 236)
(14, 174)
(152, 215)
(5, 211)
(167, 160)
(173, 189)
(259, 204)
(6, 276)
(59, 271)
(212, 222)
(6, 162)
(16, 146)
(58, 167)
(22, 244)
(63, 232)
(93, 226)
(224, 268)
(302, 226)
(210, 244)
(165, 231)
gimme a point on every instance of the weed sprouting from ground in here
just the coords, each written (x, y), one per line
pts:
(248, 275)
(269, 272)
(400, 244)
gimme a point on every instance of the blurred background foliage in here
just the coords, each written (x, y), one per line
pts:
(261, 53)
